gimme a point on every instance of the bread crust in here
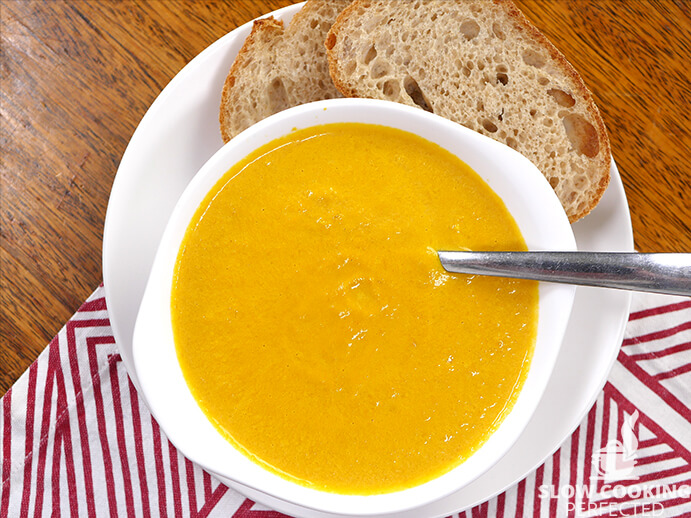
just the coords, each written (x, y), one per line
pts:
(356, 14)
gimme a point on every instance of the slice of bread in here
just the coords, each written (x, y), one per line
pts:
(277, 69)
(480, 63)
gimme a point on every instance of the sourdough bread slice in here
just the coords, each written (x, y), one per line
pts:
(480, 63)
(277, 69)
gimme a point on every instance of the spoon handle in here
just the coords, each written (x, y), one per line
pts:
(658, 273)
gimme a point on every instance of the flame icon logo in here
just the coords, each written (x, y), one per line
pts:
(616, 461)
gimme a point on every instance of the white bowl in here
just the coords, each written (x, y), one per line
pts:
(527, 196)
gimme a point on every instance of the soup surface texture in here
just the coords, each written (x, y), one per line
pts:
(316, 327)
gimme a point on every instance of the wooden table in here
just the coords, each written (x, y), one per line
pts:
(77, 76)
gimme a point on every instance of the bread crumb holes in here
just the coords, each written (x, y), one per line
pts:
(470, 29)
(582, 135)
(380, 68)
(498, 32)
(370, 55)
(489, 126)
(533, 58)
(561, 97)
(391, 88)
(415, 93)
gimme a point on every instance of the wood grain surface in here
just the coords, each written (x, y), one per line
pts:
(77, 76)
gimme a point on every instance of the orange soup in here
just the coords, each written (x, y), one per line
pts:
(316, 327)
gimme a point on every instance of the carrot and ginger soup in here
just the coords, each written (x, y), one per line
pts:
(316, 327)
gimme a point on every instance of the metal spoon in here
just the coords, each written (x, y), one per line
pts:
(658, 273)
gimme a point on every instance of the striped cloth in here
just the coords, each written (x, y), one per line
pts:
(77, 441)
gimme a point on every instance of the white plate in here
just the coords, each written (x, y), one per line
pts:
(180, 132)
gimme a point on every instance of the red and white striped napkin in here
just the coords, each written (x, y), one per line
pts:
(77, 441)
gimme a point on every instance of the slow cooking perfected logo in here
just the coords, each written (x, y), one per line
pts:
(615, 496)
(617, 459)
